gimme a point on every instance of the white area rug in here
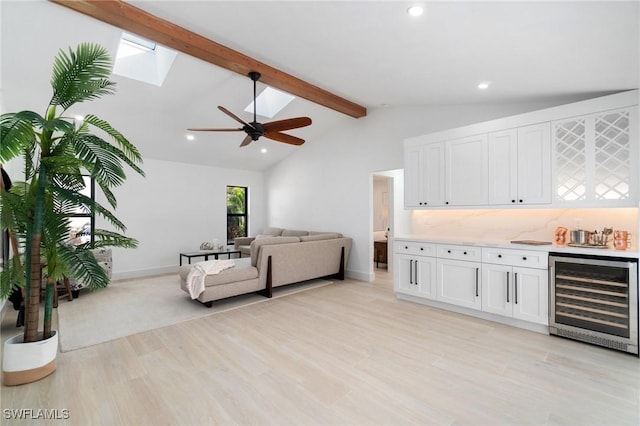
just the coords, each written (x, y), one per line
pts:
(133, 306)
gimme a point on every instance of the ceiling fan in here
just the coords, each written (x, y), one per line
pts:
(254, 130)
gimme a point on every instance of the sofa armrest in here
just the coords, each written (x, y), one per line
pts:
(242, 241)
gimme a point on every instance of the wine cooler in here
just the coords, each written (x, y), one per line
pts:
(594, 299)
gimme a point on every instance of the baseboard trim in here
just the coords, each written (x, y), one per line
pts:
(360, 276)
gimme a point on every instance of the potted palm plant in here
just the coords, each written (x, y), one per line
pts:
(57, 152)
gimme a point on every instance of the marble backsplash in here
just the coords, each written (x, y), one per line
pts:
(517, 224)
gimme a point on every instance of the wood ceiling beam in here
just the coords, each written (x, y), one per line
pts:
(139, 22)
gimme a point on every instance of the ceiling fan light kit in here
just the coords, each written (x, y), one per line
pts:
(271, 130)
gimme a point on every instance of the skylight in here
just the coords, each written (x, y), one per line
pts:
(143, 60)
(270, 102)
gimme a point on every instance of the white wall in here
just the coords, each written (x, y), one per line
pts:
(175, 208)
(326, 185)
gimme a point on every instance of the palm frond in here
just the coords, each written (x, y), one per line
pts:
(105, 238)
(81, 75)
(11, 277)
(16, 134)
(127, 152)
(99, 159)
(83, 267)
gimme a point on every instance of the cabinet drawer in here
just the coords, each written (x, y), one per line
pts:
(450, 251)
(415, 248)
(523, 258)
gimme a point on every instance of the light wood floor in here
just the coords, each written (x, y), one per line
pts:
(347, 353)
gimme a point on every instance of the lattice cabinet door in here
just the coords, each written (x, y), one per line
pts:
(596, 159)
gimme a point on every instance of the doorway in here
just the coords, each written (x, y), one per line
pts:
(388, 218)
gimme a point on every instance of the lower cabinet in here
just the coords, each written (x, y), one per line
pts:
(415, 275)
(510, 283)
(516, 292)
(459, 283)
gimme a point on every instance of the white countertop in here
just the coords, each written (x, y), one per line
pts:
(631, 253)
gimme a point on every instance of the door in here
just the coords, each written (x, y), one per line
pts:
(416, 275)
(433, 174)
(459, 283)
(413, 181)
(497, 289)
(534, 164)
(531, 295)
(466, 171)
(502, 150)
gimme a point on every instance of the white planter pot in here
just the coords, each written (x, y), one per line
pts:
(28, 362)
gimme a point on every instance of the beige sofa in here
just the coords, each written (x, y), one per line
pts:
(243, 244)
(276, 261)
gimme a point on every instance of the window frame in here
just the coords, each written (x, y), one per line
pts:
(91, 215)
(244, 215)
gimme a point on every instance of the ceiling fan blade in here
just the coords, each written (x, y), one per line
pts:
(246, 141)
(290, 123)
(282, 137)
(215, 130)
(232, 115)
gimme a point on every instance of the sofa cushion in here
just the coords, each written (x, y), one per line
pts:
(293, 233)
(319, 237)
(339, 235)
(242, 271)
(272, 231)
(256, 244)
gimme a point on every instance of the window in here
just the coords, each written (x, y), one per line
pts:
(82, 221)
(237, 212)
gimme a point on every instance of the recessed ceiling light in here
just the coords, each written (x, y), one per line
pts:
(263, 150)
(484, 85)
(415, 10)
(79, 117)
(190, 137)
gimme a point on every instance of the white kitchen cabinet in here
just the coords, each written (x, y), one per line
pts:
(531, 295)
(415, 269)
(413, 182)
(424, 175)
(596, 159)
(520, 165)
(416, 275)
(520, 293)
(434, 175)
(513, 290)
(466, 171)
(459, 283)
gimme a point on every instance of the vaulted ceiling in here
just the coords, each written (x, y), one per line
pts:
(370, 53)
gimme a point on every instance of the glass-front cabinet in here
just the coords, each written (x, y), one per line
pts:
(595, 159)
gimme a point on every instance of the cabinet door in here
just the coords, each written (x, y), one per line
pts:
(425, 279)
(459, 283)
(531, 295)
(596, 160)
(433, 175)
(497, 289)
(502, 148)
(415, 275)
(413, 181)
(534, 164)
(403, 274)
(466, 180)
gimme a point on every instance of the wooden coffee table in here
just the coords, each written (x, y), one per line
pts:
(207, 253)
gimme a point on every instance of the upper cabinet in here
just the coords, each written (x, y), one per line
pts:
(539, 158)
(424, 171)
(595, 159)
(466, 171)
(520, 165)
